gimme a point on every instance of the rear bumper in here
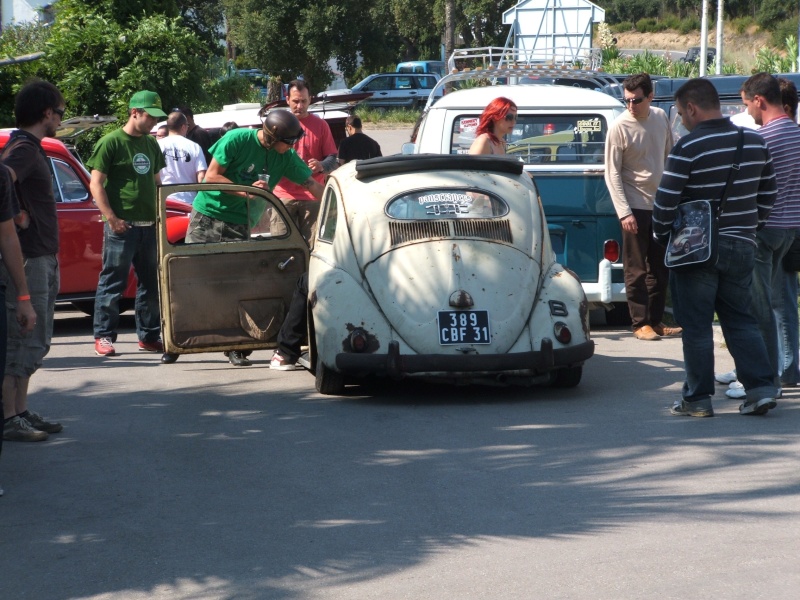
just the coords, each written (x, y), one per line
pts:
(395, 364)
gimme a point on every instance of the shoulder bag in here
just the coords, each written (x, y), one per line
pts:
(695, 230)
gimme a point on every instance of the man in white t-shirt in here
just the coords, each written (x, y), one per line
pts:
(184, 158)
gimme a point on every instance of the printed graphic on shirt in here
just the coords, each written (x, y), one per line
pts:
(141, 164)
(177, 155)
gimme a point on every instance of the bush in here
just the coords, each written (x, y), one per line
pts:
(688, 25)
(622, 26)
(649, 25)
(781, 32)
(742, 24)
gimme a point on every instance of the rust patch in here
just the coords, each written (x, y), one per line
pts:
(583, 311)
(373, 344)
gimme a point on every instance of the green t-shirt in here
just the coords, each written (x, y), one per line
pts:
(130, 165)
(243, 157)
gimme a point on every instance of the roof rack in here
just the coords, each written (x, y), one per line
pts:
(559, 74)
(497, 56)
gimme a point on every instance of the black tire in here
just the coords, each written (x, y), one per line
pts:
(619, 316)
(568, 377)
(686, 247)
(328, 381)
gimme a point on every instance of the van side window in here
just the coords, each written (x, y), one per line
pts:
(67, 186)
(542, 138)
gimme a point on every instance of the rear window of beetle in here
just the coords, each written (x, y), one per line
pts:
(446, 204)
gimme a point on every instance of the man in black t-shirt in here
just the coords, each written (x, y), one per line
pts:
(197, 134)
(358, 145)
(38, 108)
(12, 264)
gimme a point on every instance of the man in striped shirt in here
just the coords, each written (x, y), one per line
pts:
(762, 96)
(697, 169)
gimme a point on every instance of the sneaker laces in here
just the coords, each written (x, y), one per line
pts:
(105, 342)
(23, 424)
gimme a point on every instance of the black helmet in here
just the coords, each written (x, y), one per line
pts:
(282, 125)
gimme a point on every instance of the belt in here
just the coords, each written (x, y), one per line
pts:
(140, 223)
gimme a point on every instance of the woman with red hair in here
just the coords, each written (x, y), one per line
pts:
(498, 120)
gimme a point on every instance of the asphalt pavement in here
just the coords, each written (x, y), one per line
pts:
(202, 481)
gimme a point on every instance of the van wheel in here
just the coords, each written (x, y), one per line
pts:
(328, 381)
(567, 378)
(619, 316)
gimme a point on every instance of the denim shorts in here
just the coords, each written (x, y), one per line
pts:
(26, 352)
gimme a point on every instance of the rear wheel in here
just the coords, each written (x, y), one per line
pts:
(328, 381)
(568, 377)
(619, 316)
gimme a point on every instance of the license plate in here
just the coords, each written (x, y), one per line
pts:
(464, 327)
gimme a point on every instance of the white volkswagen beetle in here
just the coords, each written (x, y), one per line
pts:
(441, 267)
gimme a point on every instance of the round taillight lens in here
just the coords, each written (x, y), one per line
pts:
(611, 250)
(562, 332)
(358, 340)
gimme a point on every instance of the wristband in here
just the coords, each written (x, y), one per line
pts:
(25, 297)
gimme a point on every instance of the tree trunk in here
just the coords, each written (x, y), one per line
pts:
(449, 27)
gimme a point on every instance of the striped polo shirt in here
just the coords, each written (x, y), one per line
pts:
(783, 140)
(697, 169)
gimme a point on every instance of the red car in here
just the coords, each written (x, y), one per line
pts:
(80, 226)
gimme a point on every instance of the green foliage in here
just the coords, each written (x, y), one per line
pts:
(771, 12)
(781, 31)
(99, 63)
(650, 25)
(19, 40)
(771, 61)
(742, 24)
(622, 26)
(688, 25)
(393, 116)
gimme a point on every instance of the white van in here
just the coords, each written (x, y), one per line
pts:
(560, 136)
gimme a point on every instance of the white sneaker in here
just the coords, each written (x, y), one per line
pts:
(280, 363)
(736, 391)
(725, 378)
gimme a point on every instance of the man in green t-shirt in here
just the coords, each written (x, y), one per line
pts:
(240, 156)
(124, 166)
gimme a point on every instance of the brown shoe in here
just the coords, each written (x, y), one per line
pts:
(645, 332)
(662, 329)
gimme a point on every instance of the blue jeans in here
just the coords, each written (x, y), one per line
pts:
(788, 330)
(724, 289)
(773, 244)
(136, 246)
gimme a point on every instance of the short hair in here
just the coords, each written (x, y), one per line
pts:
(764, 85)
(226, 127)
(700, 92)
(186, 111)
(354, 121)
(176, 120)
(639, 80)
(33, 100)
(297, 84)
(788, 96)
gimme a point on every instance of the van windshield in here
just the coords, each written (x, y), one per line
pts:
(541, 138)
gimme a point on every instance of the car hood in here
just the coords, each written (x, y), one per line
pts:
(413, 283)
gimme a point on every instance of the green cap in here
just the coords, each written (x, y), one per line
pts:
(150, 102)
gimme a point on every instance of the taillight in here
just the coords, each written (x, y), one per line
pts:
(562, 332)
(358, 340)
(611, 250)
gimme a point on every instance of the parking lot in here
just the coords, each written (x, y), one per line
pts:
(199, 480)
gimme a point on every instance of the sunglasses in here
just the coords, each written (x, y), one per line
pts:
(291, 141)
(510, 118)
(59, 112)
(633, 100)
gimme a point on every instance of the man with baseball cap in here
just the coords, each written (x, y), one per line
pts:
(124, 166)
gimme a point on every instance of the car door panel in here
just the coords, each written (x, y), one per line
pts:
(228, 295)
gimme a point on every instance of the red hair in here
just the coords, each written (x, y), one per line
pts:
(495, 111)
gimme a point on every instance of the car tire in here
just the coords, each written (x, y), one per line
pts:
(619, 316)
(567, 378)
(686, 247)
(328, 381)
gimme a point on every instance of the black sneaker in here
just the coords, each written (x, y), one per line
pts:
(698, 408)
(757, 407)
(37, 422)
(238, 359)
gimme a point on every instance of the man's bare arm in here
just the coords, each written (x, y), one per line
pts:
(314, 187)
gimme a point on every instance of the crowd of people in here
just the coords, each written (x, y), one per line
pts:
(648, 176)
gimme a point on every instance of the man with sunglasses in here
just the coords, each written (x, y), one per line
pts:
(38, 109)
(240, 156)
(637, 147)
(318, 149)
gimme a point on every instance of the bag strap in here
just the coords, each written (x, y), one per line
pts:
(734, 169)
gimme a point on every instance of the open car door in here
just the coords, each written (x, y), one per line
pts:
(228, 295)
